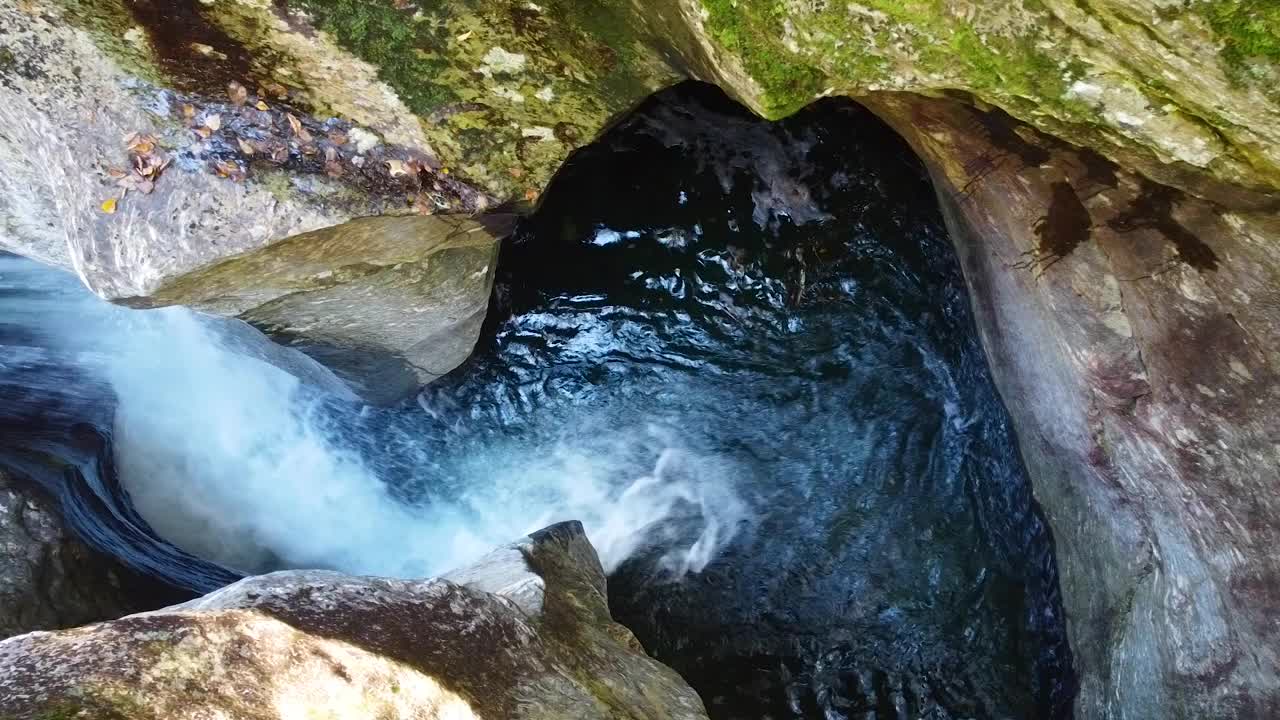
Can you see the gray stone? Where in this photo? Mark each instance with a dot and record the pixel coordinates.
(1133, 332)
(318, 643)
(48, 578)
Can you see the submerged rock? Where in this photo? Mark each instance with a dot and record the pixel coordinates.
(524, 633)
(1132, 330)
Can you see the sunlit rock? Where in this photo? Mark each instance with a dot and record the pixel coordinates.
(526, 639)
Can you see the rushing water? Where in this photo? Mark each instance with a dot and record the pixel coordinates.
(740, 352)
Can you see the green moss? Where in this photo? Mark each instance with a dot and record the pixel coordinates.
(1249, 29)
(753, 31)
(400, 43)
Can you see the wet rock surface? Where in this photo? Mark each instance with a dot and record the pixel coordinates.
(1137, 355)
(289, 643)
(49, 579)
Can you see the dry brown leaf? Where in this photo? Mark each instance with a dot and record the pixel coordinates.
(108, 206)
(516, 172)
(331, 154)
(397, 167)
(188, 111)
(280, 154)
(262, 106)
(333, 169)
(227, 169)
(298, 129)
(213, 122)
(237, 93)
(202, 131)
(116, 173)
(275, 88)
(530, 194)
(338, 138)
(245, 147)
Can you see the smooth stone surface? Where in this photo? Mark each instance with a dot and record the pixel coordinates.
(1133, 333)
(318, 643)
(389, 303)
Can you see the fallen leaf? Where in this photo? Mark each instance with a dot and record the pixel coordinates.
(333, 169)
(116, 173)
(444, 171)
(237, 93)
(213, 122)
(202, 131)
(188, 111)
(262, 106)
(280, 154)
(516, 172)
(109, 206)
(245, 147)
(278, 90)
(331, 154)
(530, 194)
(397, 168)
(465, 36)
(298, 129)
(227, 169)
(338, 138)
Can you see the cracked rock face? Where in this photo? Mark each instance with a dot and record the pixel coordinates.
(1133, 331)
(48, 578)
(524, 633)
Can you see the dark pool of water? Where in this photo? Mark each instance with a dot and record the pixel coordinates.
(767, 319)
(784, 298)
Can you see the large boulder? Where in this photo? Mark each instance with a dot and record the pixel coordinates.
(1132, 330)
(524, 633)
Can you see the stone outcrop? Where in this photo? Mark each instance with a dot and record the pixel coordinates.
(388, 303)
(1132, 330)
(143, 186)
(524, 633)
(48, 578)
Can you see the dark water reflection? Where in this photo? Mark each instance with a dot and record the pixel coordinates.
(784, 298)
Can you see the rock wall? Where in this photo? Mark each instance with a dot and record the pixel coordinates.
(1133, 332)
(524, 633)
(48, 578)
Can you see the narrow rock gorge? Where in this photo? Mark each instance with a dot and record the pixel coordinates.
(926, 365)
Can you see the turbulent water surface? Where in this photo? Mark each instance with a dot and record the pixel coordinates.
(741, 353)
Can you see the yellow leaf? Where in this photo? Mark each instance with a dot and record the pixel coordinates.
(262, 106)
(245, 147)
(109, 206)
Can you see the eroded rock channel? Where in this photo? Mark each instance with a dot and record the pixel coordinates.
(740, 352)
